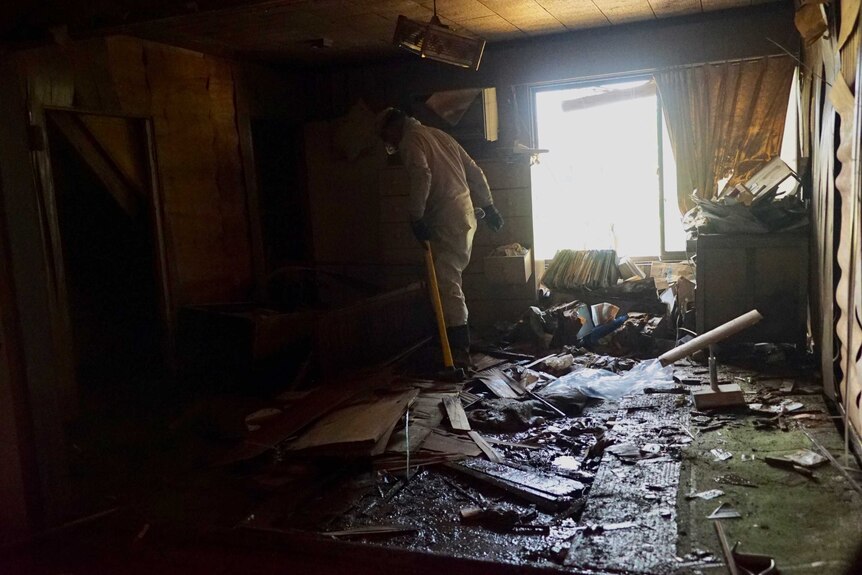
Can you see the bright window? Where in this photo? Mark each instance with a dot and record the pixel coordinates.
(599, 186)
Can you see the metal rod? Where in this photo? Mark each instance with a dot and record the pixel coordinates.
(545, 402)
(800, 62)
(407, 437)
(825, 452)
(713, 369)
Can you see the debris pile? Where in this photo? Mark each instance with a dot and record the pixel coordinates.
(759, 205)
(563, 447)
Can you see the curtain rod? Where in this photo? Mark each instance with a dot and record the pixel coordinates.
(720, 62)
(647, 71)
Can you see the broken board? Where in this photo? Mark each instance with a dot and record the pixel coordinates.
(486, 448)
(730, 395)
(358, 428)
(500, 384)
(548, 492)
(425, 415)
(439, 441)
(455, 411)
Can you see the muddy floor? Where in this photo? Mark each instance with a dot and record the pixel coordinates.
(642, 461)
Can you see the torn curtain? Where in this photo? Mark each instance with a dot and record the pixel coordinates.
(724, 120)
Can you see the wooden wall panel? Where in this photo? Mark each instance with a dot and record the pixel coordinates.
(344, 199)
(837, 319)
(19, 481)
(201, 172)
(190, 100)
(44, 401)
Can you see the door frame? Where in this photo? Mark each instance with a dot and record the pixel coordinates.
(49, 216)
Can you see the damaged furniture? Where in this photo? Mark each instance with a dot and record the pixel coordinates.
(767, 272)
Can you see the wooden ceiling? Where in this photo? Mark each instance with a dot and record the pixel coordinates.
(294, 29)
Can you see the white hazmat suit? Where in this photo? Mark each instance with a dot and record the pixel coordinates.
(442, 176)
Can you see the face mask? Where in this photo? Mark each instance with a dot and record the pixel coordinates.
(390, 149)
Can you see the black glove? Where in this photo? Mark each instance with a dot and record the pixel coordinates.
(493, 217)
(421, 231)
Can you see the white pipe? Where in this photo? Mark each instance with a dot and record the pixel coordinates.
(715, 335)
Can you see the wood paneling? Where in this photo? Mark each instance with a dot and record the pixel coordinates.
(190, 100)
(343, 197)
(836, 304)
(19, 481)
(44, 401)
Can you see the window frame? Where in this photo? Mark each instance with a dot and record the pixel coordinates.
(664, 255)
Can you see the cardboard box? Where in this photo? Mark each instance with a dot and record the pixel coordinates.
(666, 273)
(509, 270)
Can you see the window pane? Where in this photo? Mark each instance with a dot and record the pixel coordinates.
(597, 187)
(674, 235)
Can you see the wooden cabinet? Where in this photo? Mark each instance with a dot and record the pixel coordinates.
(767, 272)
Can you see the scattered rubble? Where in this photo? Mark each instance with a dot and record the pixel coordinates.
(564, 447)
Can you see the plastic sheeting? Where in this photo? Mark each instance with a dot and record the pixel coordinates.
(603, 384)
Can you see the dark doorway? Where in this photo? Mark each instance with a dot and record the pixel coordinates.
(280, 163)
(101, 172)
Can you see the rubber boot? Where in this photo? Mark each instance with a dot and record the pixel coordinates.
(459, 343)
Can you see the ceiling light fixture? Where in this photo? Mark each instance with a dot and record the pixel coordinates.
(436, 41)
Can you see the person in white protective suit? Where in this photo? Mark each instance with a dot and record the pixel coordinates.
(442, 177)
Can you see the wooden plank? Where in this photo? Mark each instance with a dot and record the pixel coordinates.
(457, 415)
(122, 190)
(549, 493)
(355, 429)
(486, 448)
(121, 139)
(370, 531)
(549, 483)
(446, 443)
(300, 415)
(249, 171)
(31, 235)
(500, 384)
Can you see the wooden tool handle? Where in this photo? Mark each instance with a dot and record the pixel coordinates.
(723, 331)
(434, 290)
